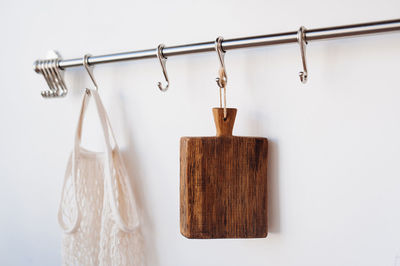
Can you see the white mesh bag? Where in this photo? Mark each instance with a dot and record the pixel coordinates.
(97, 210)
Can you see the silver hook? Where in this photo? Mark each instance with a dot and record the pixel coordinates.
(222, 80)
(61, 89)
(89, 69)
(301, 39)
(163, 61)
(64, 89)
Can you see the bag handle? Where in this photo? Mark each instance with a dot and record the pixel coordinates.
(108, 167)
(72, 169)
(110, 174)
(104, 121)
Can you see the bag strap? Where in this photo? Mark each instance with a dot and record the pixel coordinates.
(108, 166)
(72, 169)
(108, 133)
(110, 173)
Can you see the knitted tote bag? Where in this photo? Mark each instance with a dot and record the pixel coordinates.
(97, 212)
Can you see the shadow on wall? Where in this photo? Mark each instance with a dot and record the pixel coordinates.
(132, 163)
(274, 218)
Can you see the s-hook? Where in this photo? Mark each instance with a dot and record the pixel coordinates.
(89, 69)
(301, 39)
(222, 78)
(163, 61)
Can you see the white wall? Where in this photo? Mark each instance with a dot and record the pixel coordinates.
(334, 143)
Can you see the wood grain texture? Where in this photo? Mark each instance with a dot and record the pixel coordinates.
(223, 184)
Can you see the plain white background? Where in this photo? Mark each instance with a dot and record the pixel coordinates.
(334, 170)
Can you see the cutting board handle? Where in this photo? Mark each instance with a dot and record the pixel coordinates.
(224, 126)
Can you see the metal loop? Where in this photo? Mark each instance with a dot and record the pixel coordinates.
(301, 39)
(89, 69)
(163, 61)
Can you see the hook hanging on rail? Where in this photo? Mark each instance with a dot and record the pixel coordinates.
(301, 39)
(89, 69)
(222, 78)
(163, 61)
(58, 79)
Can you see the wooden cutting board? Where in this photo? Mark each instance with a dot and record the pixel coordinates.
(223, 183)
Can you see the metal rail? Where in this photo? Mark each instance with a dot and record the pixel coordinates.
(243, 42)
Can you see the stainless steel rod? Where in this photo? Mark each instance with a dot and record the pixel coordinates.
(245, 42)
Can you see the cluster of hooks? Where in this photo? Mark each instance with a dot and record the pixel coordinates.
(50, 68)
(53, 77)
